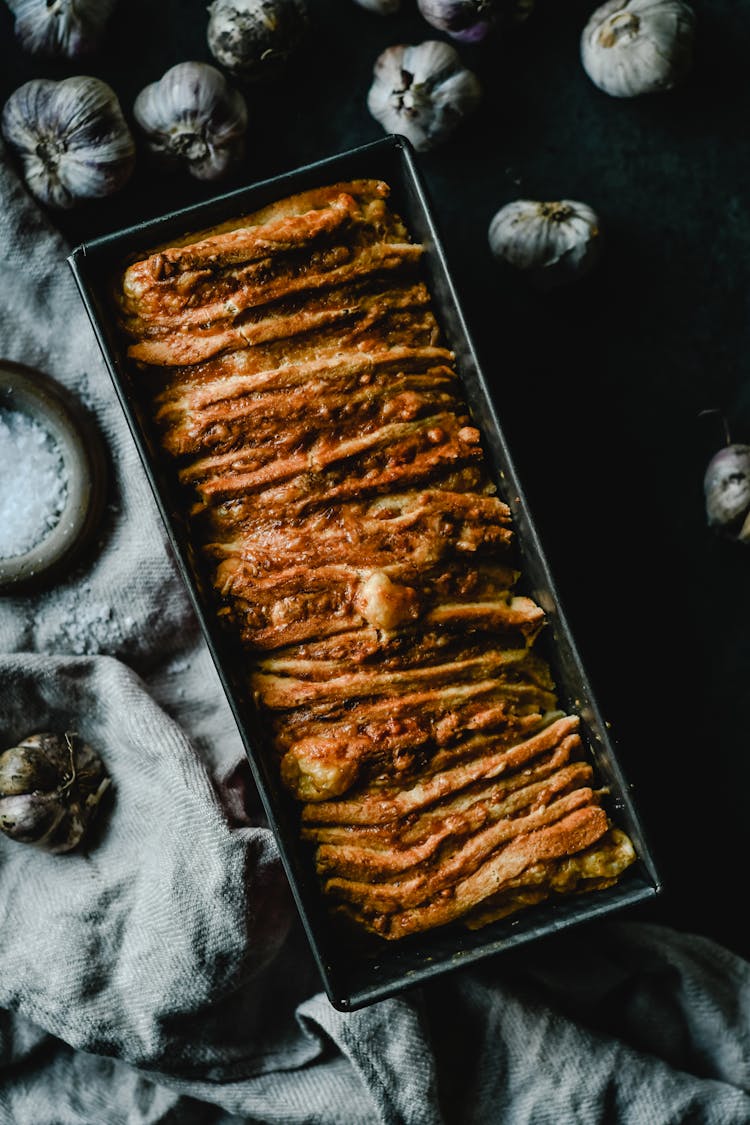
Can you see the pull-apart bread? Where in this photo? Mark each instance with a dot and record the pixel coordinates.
(340, 499)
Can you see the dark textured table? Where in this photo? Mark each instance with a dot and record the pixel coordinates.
(599, 386)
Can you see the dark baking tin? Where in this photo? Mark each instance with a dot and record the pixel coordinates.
(354, 972)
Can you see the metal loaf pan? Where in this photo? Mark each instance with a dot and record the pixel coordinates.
(357, 973)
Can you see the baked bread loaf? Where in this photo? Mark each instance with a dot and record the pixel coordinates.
(341, 503)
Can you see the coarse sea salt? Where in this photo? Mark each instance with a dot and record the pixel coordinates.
(33, 483)
(87, 626)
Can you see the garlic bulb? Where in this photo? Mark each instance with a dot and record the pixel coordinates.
(192, 116)
(50, 788)
(255, 38)
(551, 242)
(632, 47)
(423, 92)
(469, 21)
(60, 27)
(726, 486)
(381, 7)
(71, 137)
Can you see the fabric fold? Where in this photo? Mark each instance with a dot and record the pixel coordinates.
(150, 945)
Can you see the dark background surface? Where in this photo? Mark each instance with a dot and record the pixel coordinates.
(599, 386)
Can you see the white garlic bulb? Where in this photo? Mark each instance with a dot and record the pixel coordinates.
(191, 115)
(422, 92)
(60, 27)
(50, 787)
(632, 47)
(550, 242)
(726, 486)
(256, 38)
(71, 137)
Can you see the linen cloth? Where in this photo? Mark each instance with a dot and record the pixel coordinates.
(161, 975)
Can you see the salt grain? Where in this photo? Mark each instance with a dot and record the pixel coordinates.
(89, 626)
(33, 483)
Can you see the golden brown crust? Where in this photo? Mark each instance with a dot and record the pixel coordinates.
(341, 506)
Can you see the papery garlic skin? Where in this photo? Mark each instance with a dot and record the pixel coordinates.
(50, 787)
(726, 486)
(255, 39)
(468, 21)
(634, 47)
(193, 116)
(423, 92)
(35, 818)
(553, 243)
(71, 137)
(66, 28)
